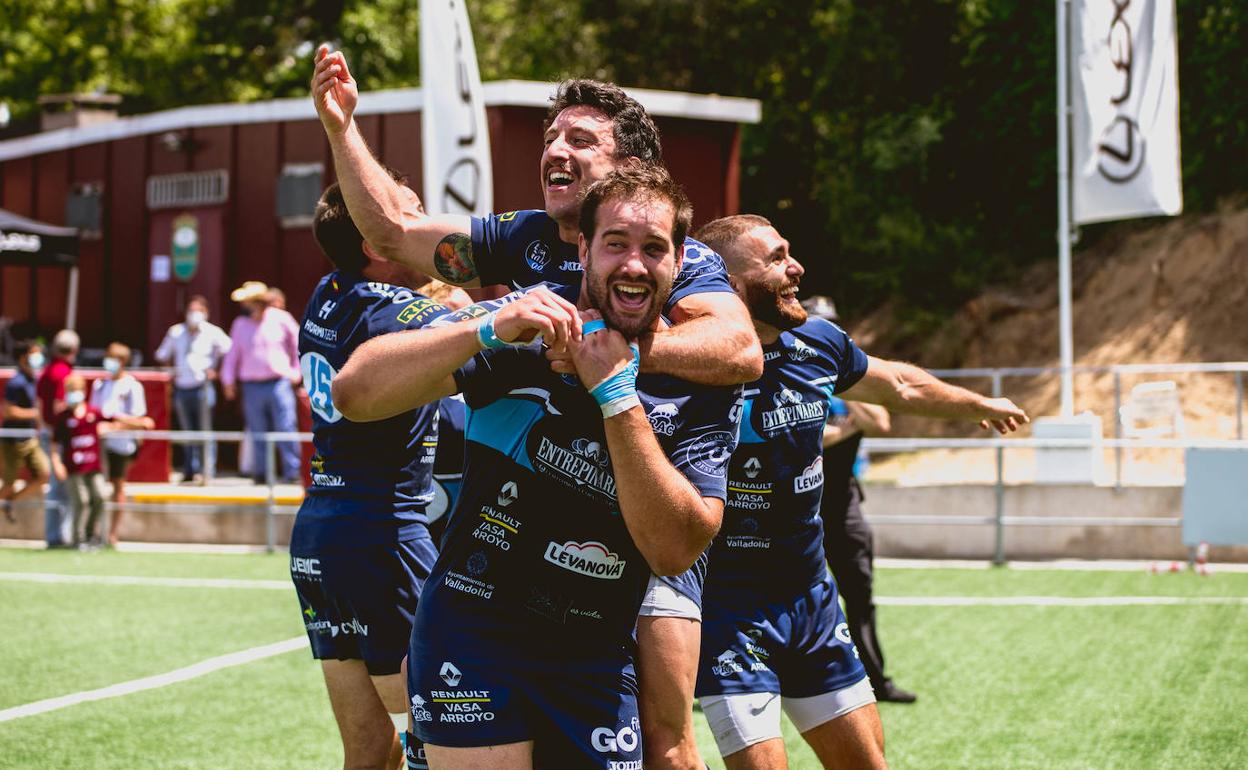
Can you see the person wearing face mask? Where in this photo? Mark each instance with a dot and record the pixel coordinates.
(119, 397)
(51, 391)
(76, 460)
(195, 349)
(21, 410)
(264, 357)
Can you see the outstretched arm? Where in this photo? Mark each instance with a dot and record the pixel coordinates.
(907, 388)
(667, 517)
(388, 215)
(712, 343)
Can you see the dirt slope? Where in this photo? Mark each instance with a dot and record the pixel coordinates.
(1176, 291)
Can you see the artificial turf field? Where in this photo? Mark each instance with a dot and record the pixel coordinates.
(1001, 686)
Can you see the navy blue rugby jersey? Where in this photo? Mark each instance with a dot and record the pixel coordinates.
(371, 482)
(523, 248)
(536, 538)
(448, 464)
(770, 547)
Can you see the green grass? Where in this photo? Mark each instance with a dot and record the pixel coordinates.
(999, 687)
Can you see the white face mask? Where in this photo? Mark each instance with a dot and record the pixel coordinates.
(112, 365)
(36, 361)
(195, 318)
(75, 397)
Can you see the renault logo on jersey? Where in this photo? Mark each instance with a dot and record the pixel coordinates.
(752, 467)
(811, 477)
(450, 674)
(592, 558)
(508, 494)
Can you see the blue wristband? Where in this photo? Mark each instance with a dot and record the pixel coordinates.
(487, 336)
(618, 393)
(589, 327)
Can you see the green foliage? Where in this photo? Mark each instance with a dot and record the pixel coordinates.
(907, 149)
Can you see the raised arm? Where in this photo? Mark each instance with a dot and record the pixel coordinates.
(388, 215)
(395, 373)
(907, 388)
(667, 517)
(712, 343)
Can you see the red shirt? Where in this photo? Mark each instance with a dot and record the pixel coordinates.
(51, 387)
(79, 438)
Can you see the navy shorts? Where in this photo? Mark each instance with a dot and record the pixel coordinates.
(358, 603)
(799, 649)
(477, 689)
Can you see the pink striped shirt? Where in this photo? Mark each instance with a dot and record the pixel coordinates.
(262, 350)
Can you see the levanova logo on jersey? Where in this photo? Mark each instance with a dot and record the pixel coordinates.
(592, 558)
(662, 418)
(582, 464)
(792, 409)
(810, 478)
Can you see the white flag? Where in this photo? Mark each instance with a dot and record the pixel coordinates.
(1126, 110)
(456, 138)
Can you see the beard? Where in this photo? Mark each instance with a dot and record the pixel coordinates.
(766, 305)
(628, 324)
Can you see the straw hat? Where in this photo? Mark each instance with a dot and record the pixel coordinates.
(249, 290)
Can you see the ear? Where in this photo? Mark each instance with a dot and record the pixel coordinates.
(680, 259)
(632, 161)
(582, 250)
(735, 284)
(369, 253)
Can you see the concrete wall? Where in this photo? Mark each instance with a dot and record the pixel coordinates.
(1032, 541)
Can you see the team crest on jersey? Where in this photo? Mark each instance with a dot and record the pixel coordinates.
(537, 256)
(419, 712)
(663, 418)
(801, 351)
(698, 259)
(710, 453)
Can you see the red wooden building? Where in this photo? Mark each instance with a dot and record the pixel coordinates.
(243, 176)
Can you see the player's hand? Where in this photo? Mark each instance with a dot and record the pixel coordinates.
(1002, 415)
(229, 391)
(597, 356)
(334, 91)
(560, 360)
(540, 312)
(147, 423)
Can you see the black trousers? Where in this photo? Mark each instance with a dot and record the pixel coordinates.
(850, 549)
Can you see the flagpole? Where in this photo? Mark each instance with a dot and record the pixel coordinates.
(1065, 333)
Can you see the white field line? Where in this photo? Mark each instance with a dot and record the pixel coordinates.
(131, 580)
(1054, 601)
(160, 680)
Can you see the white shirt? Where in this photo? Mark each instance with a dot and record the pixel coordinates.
(193, 353)
(122, 396)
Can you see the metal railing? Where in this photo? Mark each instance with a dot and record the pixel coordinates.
(999, 520)
(270, 440)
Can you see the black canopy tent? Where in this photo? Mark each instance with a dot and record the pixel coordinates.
(37, 244)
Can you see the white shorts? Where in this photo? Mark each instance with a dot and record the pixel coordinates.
(742, 720)
(663, 601)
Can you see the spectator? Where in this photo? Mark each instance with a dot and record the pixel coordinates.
(277, 298)
(76, 459)
(21, 410)
(51, 392)
(264, 356)
(119, 397)
(195, 348)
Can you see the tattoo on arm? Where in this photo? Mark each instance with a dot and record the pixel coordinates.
(453, 258)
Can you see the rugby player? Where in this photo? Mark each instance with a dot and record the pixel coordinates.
(592, 129)
(360, 549)
(523, 648)
(774, 636)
